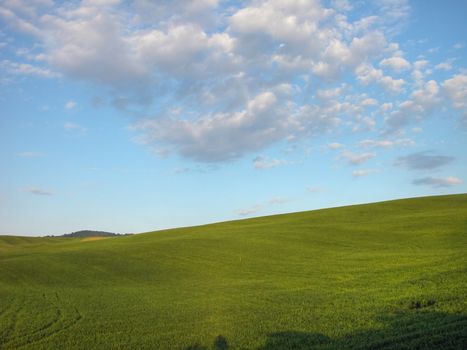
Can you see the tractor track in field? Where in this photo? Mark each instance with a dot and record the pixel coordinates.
(6, 333)
(59, 323)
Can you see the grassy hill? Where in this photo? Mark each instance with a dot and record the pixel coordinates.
(389, 275)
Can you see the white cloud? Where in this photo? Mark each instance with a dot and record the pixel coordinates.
(289, 22)
(369, 143)
(456, 89)
(278, 200)
(395, 63)
(357, 158)
(262, 206)
(376, 143)
(14, 19)
(427, 97)
(369, 102)
(220, 76)
(183, 170)
(342, 5)
(30, 154)
(420, 64)
(422, 103)
(329, 94)
(26, 69)
(386, 106)
(394, 14)
(176, 11)
(70, 105)
(222, 136)
(314, 189)
(363, 172)
(226, 136)
(249, 211)
(444, 65)
(265, 163)
(70, 126)
(367, 74)
(334, 145)
(37, 191)
(438, 182)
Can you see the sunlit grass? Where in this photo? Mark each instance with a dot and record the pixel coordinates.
(384, 275)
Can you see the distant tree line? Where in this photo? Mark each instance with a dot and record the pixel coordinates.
(90, 233)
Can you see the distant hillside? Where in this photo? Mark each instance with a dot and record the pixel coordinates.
(90, 233)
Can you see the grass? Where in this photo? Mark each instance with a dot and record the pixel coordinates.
(388, 275)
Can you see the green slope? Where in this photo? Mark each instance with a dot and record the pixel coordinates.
(384, 275)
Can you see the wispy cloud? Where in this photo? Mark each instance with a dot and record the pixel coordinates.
(37, 191)
(363, 172)
(70, 105)
(334, 145)
(250, 211)
(357, 158)
(26, 69)
(262, 206)
(196, 169)
(370, 143)
(425, 160)
(70, 126)
(182, 170)
(278, 200)
(438, 182)
(444, 65)
(266, 163)
(314, 189)
(30, 154)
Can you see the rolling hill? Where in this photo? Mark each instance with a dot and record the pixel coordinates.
(389, 275)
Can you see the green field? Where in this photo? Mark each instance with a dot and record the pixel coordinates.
(390, 275)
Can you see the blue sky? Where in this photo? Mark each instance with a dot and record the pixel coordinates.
(131, 116)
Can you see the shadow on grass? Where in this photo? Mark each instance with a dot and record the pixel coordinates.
(408, 330)
(220, 343)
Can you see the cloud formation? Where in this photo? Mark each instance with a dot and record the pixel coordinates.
(30, 154)
(425, 160)
(265, 163)
(456, 89)
(70, 105)
(363, 172)
(370, 143)
(357, 158)
(18, 68)
(395, 63)
(37, 191)
(334, 145)
(73, 127)
(262, 206)
(213, 81)
(438, 182)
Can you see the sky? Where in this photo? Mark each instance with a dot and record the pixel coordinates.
(133, 116)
